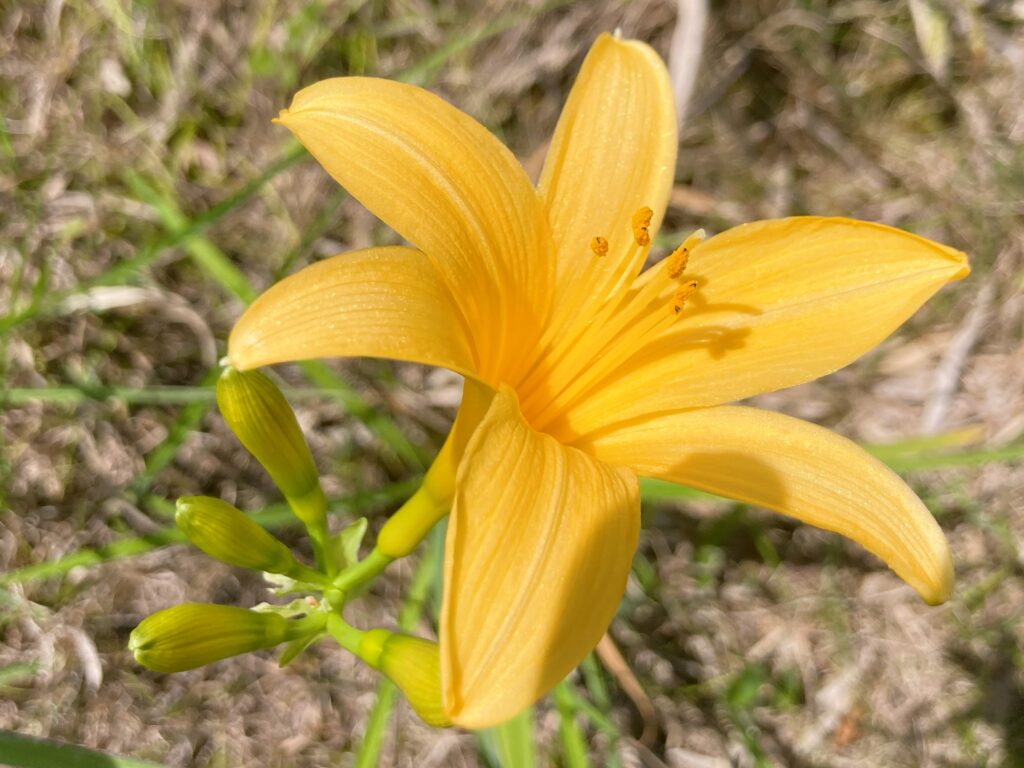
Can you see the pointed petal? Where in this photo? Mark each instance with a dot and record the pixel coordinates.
(540, 542)
(795, 468)
(613, 152)
(379, 302)
(779, 303)
(443, 182)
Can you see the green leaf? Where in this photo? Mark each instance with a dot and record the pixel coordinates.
(295, 647)
(510, 745)
(28, 752)
(345, 544)
(574, 746)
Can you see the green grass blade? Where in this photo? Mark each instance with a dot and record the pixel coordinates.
(424, 71)
(29, 752)
(125, 270)
(87, 557)
(152, 395)
(911, 455)
(377, 724)
(328, 385)
(511, 744)
(596, 717)
(156, 395)
(213, 261)
(203, 252)
(597, 690)
(574, 746)
(274, 517)
(1011, 454)
(321, 375)
(662, 490)
(188, 421)
(408, 616)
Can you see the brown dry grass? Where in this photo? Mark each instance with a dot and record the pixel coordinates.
(821, 659)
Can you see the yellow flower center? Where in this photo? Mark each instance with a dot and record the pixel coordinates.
(597, 342)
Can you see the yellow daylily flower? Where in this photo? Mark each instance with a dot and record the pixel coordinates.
(583, 370)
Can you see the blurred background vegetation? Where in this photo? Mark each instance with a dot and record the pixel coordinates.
(145, 198)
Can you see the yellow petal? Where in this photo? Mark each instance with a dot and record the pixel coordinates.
(443, 182)
(380, 302)
(613, 152)
(795, 468)
(779, 303)
(539, 546)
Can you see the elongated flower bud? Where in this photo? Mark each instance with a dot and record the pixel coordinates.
(227, 534)
(191, 635)
(257, 412)
(414, 665)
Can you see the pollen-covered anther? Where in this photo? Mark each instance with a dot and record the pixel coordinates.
(641, 224)
(599, 246)
(682, 294)
(676, 263)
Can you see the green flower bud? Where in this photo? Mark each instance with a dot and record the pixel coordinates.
(414, 665)
(228, 535)
(191, 635)
(257, 412)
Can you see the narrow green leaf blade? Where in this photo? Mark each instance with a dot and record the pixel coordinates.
(29, 752)
(574, 746)
(510, 744)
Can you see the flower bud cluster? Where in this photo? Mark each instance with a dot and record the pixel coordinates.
(188, 636)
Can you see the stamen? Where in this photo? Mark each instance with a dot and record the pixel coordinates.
(679, 300)
(599, 245)
(641, 222)
(676, 263)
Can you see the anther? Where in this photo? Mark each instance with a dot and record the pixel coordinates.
(675, 265)
(641, 222)
(679, 300)
(599, 245)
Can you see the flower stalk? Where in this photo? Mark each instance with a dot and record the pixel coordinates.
(411, 663)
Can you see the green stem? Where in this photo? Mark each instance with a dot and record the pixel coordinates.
(311, 509)
(307, 625)
(359, 575)
(319, 539)
(347, 636)
(306, 575)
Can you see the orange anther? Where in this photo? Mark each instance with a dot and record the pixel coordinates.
(679, 300)
(641, 222)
